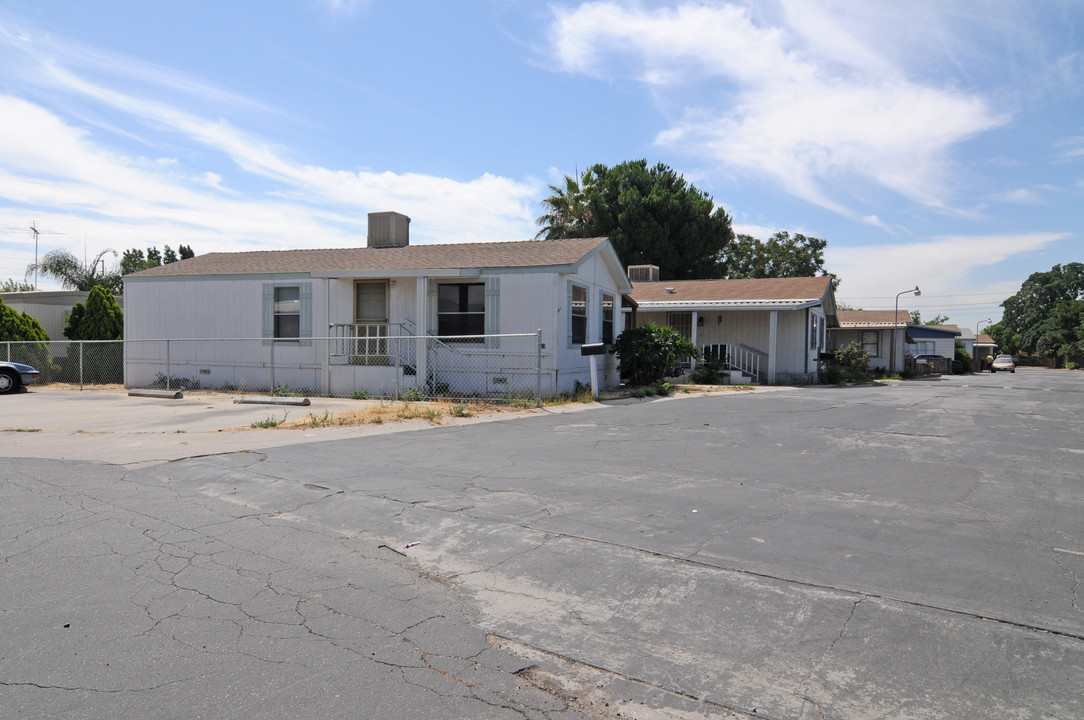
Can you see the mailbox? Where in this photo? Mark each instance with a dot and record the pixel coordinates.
(593, 349)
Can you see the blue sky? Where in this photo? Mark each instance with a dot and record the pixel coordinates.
(930, 143)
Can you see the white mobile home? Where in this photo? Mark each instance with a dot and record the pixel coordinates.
(380, 319)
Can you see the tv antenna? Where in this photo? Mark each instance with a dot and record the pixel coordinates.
(33, 227)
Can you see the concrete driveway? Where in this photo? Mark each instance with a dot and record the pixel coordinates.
(907, 551)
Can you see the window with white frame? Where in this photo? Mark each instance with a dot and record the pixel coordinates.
(870, 341)
(578, 315)
(607, 319)
(287, 312)
(814, 330)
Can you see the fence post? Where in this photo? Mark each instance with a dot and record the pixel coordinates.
(169, 369)
(398, 359)
(8, 344)
(272, 367)
(81, 343)
(538, 369)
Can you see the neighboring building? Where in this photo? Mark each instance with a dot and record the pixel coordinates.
(51, 308)
(883, 337)
(984, 347)
(363, 299)
(769, 330)
(888, 342)
(938, 340)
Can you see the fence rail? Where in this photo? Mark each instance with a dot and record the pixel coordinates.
(355, 361)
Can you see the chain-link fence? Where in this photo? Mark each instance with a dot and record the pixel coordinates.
(491, 367)
(82, 362)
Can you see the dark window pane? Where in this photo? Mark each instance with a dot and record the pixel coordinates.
(447, 298)
(579, 329)
(475, 298)
(287, 326)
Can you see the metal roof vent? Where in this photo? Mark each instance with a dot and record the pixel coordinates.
(669, 291)
(388, 230)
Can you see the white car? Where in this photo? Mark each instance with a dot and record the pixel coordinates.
(1003, 362)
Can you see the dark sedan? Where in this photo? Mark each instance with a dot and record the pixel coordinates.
(15, 375)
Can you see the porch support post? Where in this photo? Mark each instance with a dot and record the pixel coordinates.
(773, 334)
(696, 319)
(421, 311)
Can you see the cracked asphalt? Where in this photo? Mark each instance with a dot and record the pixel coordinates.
(912, 550)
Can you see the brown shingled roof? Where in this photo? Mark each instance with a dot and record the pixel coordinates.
(872, 318)
(808, 288)
(539, 253)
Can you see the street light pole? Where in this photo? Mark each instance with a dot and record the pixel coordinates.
(979, 324)
(895, 322)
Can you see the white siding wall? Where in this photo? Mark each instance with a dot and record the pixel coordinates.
(232, 307)
(842, 337)
(228, 311)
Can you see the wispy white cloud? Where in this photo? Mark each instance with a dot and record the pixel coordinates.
(805, 102)
(342, 8)
(1020, 196)
(261, 198)
(941, 266)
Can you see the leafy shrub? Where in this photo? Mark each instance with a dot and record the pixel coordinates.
(963, 355)
(1071, 365)
(709, 371)
(851, 364)
(28, 340)
(360, 395)
(412, 395)
(645, 352)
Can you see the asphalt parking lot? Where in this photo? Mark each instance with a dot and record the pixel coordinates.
(911, 550)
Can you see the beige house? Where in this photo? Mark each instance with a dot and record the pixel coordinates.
(765, 330)
(880, 334)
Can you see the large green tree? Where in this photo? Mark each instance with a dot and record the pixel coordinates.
(567, 212)
(73, 274)
(783, 255)
(651, 215)
(1029, 314)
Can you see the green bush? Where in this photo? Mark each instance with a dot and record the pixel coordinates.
(645, 352)
(851, 364)
(1071, 365)
(28, 340)
(709, 371)
(963, 355)
(100, 318)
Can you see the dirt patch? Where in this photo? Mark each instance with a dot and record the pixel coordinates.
(378, 413)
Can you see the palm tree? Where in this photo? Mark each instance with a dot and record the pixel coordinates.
(569, 212)
(66, 269)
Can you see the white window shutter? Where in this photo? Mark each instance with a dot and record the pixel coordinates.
(492, 311)
(305, 321)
